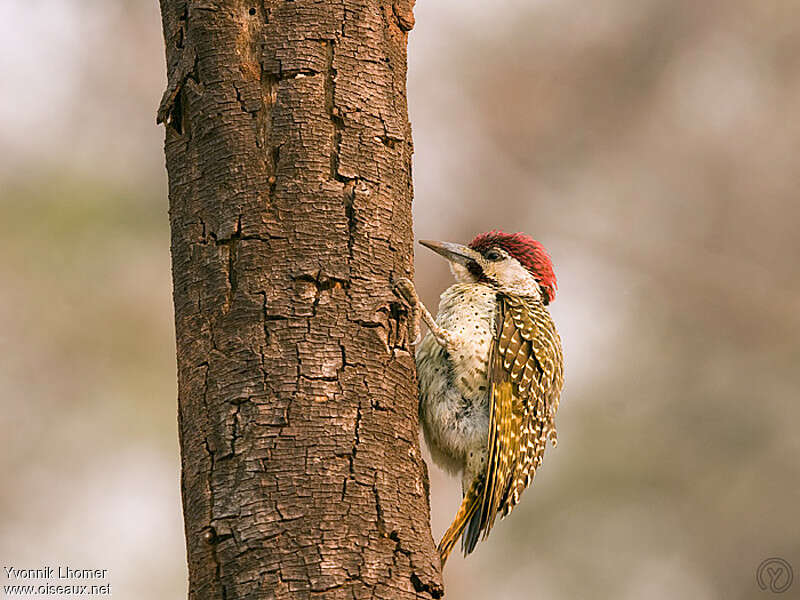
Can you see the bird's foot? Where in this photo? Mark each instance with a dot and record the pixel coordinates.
(404, 289)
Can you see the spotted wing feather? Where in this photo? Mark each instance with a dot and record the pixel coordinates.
(526, 376)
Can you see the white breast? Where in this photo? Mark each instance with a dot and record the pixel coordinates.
(467, 310)
(453, 392)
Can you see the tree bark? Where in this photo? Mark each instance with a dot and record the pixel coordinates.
(289, 158)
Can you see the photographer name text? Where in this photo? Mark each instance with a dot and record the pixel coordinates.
(58, 572)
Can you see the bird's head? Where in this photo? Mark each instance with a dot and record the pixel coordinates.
(512, 262)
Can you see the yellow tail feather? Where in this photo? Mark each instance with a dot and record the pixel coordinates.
(468, 507)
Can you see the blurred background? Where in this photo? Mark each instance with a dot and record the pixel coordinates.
(652, 146)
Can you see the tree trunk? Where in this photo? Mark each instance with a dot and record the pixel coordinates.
(289, 158)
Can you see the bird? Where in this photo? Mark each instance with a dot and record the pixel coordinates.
(490, 373)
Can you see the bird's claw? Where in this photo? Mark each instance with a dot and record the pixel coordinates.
(404, 289)
(416, 329)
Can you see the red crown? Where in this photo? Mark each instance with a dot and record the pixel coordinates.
(530, 253)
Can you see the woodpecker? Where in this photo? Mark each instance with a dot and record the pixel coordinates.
(490, 374)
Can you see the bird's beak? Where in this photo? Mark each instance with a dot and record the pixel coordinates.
(453, 252)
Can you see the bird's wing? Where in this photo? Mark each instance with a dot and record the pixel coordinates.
(526, 375)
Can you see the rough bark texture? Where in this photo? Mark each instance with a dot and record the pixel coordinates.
(289, 157)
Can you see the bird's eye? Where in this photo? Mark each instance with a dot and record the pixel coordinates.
(493, 255)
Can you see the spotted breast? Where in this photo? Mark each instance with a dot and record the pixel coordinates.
(453, 387)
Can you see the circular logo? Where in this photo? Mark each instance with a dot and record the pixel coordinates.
(775, 575)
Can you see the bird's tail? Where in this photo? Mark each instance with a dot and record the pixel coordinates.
(467, 514)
